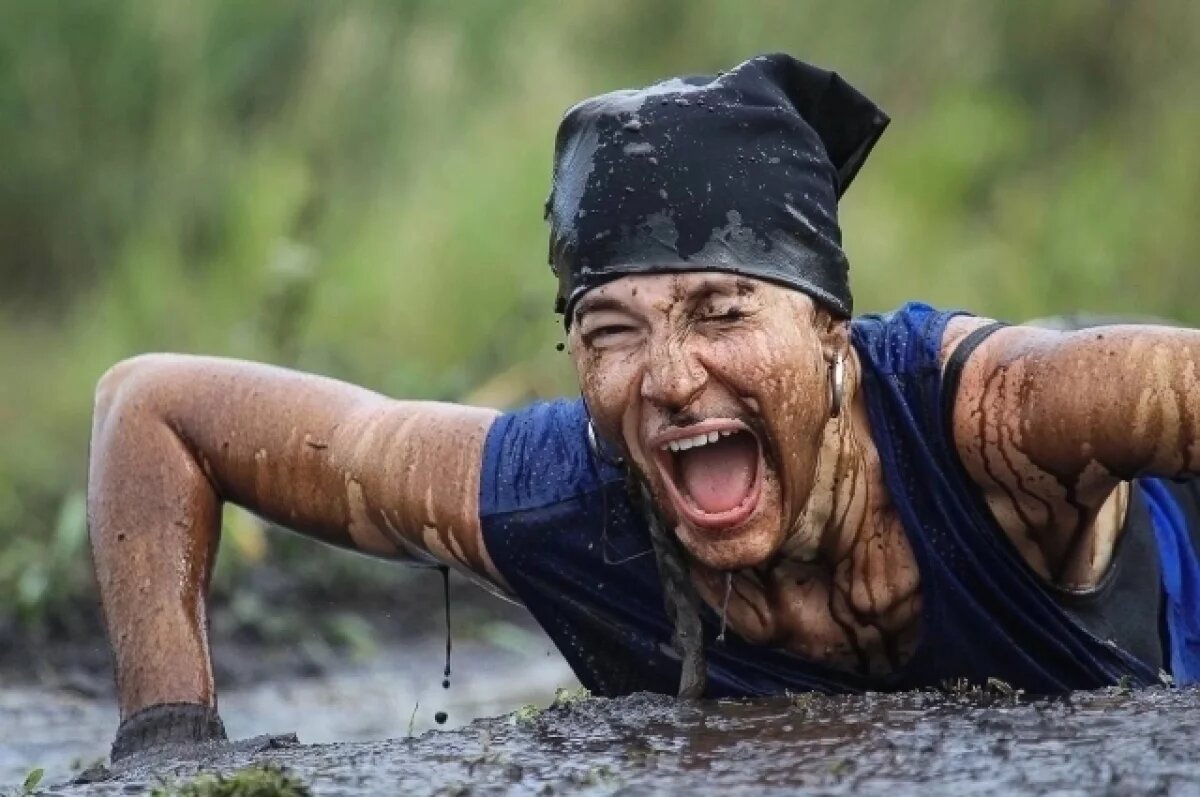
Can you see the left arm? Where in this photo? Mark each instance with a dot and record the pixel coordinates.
(1049, 423)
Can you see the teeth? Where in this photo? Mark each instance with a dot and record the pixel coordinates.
(697, 441)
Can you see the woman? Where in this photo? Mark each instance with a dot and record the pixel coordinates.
(884, 503)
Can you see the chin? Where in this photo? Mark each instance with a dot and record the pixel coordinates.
(748, 546)
(714, 484)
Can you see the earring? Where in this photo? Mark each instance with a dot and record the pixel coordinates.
(598, 451)
(837, 386)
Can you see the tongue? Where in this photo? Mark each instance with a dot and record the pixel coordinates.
(719, 476)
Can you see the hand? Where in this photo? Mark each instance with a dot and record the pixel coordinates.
(167, 724)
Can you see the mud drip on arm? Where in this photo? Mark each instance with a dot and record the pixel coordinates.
(175, 436)
(440, 717)
(449, 641)
(1050, 423)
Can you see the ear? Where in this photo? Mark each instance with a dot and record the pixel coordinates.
(834, 333)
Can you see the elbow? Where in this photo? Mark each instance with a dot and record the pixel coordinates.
(131, 382)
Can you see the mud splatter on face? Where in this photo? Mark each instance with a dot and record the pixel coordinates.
(711, 378)
(739, 361)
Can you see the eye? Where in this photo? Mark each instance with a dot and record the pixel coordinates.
(607, 334)
(727, 315)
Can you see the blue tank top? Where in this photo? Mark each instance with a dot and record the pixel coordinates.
(559, 526)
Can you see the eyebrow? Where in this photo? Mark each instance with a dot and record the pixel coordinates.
(710, 288)
(705, 290)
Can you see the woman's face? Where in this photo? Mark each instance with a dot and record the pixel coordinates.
(716, 386)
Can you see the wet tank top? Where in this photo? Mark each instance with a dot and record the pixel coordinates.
(560, 527)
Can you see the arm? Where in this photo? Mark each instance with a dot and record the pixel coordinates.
(1050, 423)
(174, 436)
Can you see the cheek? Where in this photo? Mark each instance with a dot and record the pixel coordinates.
(790, 387)
(741, 360)
(799, 418)
(605, 385)
(779, 368)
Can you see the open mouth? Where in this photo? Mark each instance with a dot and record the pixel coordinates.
(713, 472)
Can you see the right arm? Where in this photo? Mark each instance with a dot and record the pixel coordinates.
(175, 436)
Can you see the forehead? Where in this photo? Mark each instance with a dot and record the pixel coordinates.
(641, 290)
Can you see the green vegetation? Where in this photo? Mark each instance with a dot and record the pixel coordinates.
(260, 780)
(991, 689)
(526, 713)
(32, 781)
(356, 189)
(566, 698)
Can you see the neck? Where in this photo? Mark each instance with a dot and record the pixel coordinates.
(842, 494)
(844, 587)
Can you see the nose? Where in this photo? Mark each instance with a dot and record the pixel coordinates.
(673, 377)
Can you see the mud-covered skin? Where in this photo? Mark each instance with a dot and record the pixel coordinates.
(852, 602)
(1048, 423)
(823, 566)
(174, 436)
(1053, 424)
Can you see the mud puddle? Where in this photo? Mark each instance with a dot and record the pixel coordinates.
(1108, 742)
(394, 694)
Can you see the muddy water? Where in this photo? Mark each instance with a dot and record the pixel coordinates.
(1091, 743)
(398, 692)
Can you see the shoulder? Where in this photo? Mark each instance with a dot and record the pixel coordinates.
(539, 455)
(912, 339)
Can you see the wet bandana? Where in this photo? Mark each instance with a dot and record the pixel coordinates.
(740, 173)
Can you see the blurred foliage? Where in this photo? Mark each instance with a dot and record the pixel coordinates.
(356, 189)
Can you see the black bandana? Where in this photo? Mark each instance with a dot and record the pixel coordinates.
(740, 173)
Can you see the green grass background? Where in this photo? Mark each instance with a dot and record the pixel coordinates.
(356, 188)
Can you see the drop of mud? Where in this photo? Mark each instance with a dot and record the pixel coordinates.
(446, 596)
(725, 607)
